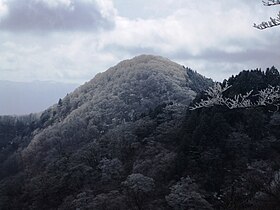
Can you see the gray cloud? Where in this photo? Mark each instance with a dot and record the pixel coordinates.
(217, 55)
(216, 38)
(56, 15)
(220, 64)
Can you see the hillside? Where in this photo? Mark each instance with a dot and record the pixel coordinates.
(129, 140)
(88, 150)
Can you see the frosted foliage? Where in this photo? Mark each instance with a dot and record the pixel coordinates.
(215, 97)
(154, 160)
(139, 84)
(270, 192)
(184, 195)
(87, 200)
(111, 200)
(270, 95)
(274, 185)
(267, 96)
(118, 96)
(139, 183)
(275, 119)
(110, 169)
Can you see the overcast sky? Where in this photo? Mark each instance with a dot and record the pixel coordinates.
(72, 40)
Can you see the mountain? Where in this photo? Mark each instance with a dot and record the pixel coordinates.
(128, 140)
(131, 88)
(18, 98)
(92, 137)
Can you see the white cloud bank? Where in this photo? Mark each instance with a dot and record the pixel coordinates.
(82, 37)
(50, 15)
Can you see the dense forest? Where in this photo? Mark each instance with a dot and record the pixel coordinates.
(129, 140)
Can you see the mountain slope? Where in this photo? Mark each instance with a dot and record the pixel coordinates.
(139, 84)
(128, 141)
(107, 132)
(121, 94)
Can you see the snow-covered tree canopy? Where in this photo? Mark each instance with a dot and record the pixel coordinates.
(273, 21)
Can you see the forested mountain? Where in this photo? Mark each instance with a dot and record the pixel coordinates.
(128, 139)
(94, 139)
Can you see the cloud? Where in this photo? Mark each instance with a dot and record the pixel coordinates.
(71, 57)
(3, 9)
(216, 38)
(56, 15)
(193, 27)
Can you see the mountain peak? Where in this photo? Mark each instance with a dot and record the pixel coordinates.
(141, 68)
(133, 87)
(150, 62)
(145, 58)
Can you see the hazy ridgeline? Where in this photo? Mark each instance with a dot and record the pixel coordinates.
(29, 97)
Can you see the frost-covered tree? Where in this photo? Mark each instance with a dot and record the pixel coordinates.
(138, 187)
(267, 196)
(139, 183)
(110, 169)
(215, 97)
(273, 21)
(184, 195)
(267, 96)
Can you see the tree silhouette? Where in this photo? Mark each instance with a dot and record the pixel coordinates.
(273, 21)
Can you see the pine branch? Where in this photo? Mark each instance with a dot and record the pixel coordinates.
(269, 24)
(273, 21)
(271, 2)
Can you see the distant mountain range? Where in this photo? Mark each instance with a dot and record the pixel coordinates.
(28, 97)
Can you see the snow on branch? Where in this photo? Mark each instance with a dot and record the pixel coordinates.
(271, 2)
(273, 21)
(267, 96)
(239, 101)
(268, 24)
(215, 97)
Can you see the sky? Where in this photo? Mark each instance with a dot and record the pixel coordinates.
(72, 40)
